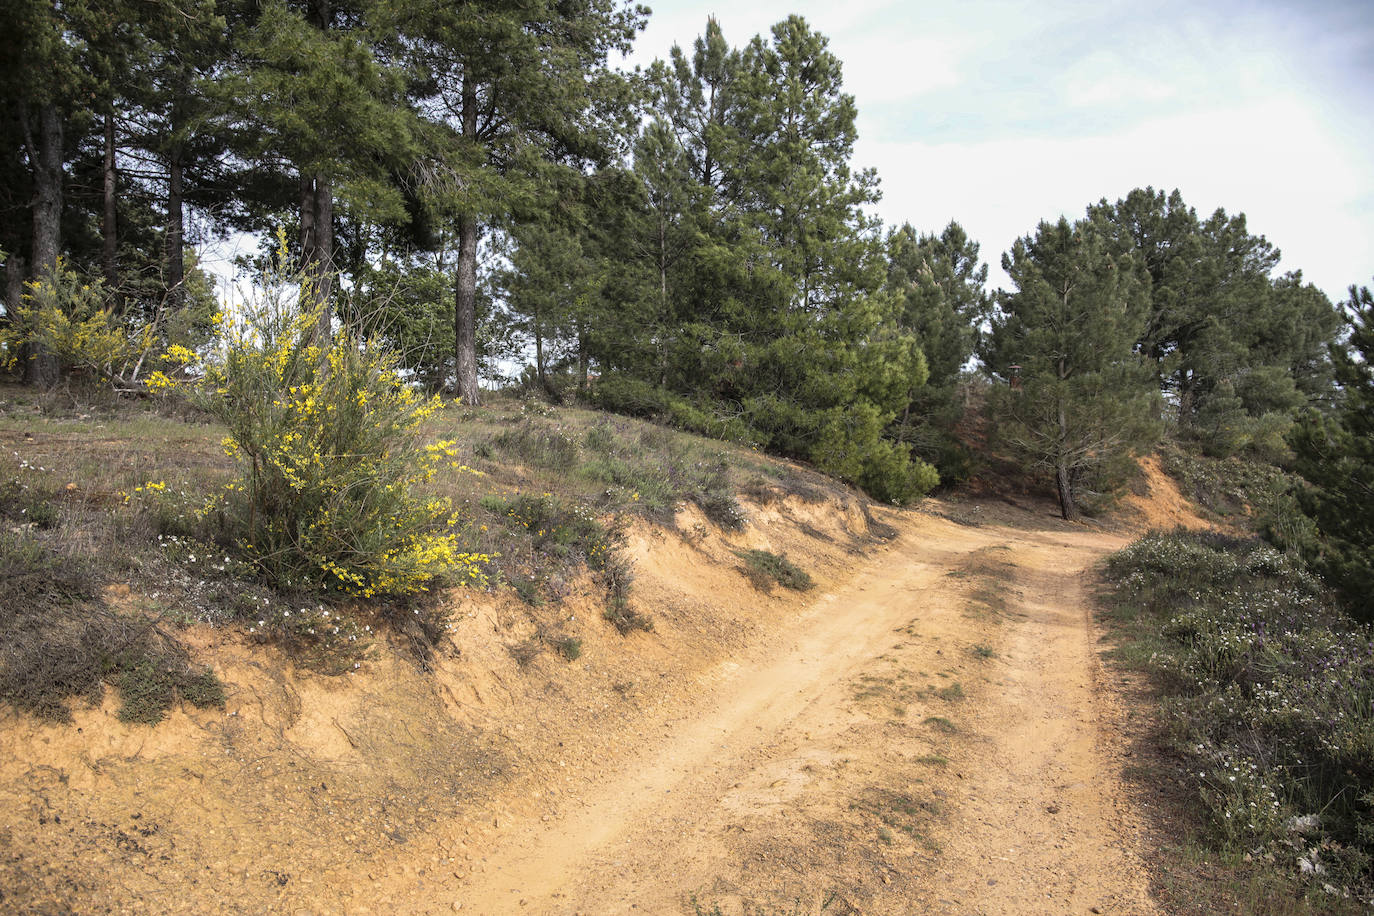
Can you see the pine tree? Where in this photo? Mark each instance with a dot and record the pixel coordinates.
(752, 304)
(1234, 349)
(43, 76)
(502, 90)
(1076, 399)
(319, 118)
(940, 286)
(1335, 453)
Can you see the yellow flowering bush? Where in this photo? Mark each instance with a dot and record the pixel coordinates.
(327, 438)
(70, 319)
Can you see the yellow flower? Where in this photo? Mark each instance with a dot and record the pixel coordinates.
(159, 382)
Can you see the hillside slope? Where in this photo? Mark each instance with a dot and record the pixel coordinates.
(924, 726)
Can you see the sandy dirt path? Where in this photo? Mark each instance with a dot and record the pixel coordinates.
(930, 738)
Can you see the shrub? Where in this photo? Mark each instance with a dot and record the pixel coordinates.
(572, 532)
(68, 317)
(537, 445)
(1269, 692)
(330, 457)
(766, 569)
(60, 641)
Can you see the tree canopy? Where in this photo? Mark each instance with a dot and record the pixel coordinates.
(692, 241)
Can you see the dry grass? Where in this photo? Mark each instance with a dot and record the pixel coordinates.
(118, 482)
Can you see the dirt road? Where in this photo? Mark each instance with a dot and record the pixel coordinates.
(928, 739)
(925, 733)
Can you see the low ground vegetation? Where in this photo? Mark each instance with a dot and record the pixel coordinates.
(157, 499)
(765, 569)
(1268, 701)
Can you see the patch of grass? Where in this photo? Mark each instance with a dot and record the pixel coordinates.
(62, 642)
(570, 647)
(149, 684)
(627, 465)
(752, 908)
(933, 760)
(953, 693)
(900, 811)
(626, 619)
(526, 650)
(554, 526)
(766, 569)
(528, 590)
(28, 503)
(941, 724)
(537, 444)
(981, 651)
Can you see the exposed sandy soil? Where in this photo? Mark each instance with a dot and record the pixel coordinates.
(1162, 506)
(925, 732)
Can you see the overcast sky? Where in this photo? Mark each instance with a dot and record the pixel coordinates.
(1001, 114)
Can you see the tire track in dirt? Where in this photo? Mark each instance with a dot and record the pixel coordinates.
(928, 738)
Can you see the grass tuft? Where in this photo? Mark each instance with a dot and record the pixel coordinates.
(766, 569)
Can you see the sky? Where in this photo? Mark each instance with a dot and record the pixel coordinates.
(1002, 114)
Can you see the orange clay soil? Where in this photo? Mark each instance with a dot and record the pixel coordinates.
(924, 732)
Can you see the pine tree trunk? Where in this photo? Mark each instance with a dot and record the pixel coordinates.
(317, 211)
(324, 252)
(174, 255)
(1185, 400)
(109, 240)
(465, 285)
(14, 286)
(662, 304)
(41, 368)
(583, 358)
(539, 352)
(1062, 478)
(307, 219)
(317, 245)
(465, 313)
(1067, 508)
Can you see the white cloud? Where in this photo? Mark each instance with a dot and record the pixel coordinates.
(895, 68)
(1275, 162)
(1000, 114)
(1104, 78)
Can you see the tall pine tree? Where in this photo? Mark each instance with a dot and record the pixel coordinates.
(1335, 453)
(1077, 399)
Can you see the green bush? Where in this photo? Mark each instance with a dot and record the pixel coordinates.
(60, 641)
(69, 318)
(636, 398)
(572, 532)
(765, 569)
(537, 445)
(331, 455)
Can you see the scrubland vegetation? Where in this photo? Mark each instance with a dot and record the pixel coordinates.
(1267, 704)
(686, 249)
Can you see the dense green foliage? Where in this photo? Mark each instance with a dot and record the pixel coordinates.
(1079, 398)
(1233, 349)
(61, 640)
(330, 456)
(940, 286)
(1335, 454)
(1269, 696)
(728, 279)
(478, 186)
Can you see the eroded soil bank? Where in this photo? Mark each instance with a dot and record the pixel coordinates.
(923, 732)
